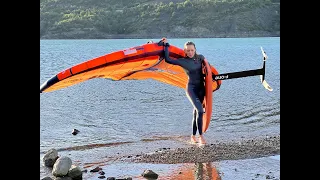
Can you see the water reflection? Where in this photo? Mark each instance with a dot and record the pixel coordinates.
(197, 171)
(204, 171)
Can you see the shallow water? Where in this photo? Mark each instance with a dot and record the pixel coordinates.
(258, 169)
(117, 116)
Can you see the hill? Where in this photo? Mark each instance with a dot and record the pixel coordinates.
(95, 19)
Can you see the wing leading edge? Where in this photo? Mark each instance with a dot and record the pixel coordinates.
(136, 63)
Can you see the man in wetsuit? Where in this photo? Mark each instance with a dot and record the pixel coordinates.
(195, 90)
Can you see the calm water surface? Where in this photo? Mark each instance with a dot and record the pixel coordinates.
(130, 111)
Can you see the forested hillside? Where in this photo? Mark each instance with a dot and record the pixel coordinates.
(83, 19)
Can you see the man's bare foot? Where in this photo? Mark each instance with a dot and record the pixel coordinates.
(202, 140)
(193, 139)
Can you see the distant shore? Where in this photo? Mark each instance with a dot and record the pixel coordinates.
(159, 36)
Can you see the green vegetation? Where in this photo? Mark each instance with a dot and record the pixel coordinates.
(83, 19)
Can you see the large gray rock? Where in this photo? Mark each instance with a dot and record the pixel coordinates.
(63, 178)
(75, 172)
(50, 157)
(46, 178)
(61, 166)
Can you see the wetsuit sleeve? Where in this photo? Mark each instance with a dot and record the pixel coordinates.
(167, 58)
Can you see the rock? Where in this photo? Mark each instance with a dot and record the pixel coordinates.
(75, 172)
(61, 166)
(63, 178)
(50, 157)
(96, 169)
(149, 174)
(46, 178)
(75, 131)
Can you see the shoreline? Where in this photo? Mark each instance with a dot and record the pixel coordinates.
(156, 37)
(184, 160)
(226, 150)
(257, 168)
(243, 158)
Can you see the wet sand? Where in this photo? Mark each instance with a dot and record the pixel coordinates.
(243, 158)
(232, 150)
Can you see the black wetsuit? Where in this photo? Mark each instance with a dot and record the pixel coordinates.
(195, 87)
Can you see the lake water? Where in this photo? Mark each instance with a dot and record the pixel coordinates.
(128, 112)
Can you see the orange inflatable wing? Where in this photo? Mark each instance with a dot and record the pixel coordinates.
(216, 83)
(140, 62)
(136, 63)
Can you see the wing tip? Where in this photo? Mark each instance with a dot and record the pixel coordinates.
(48, 83)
